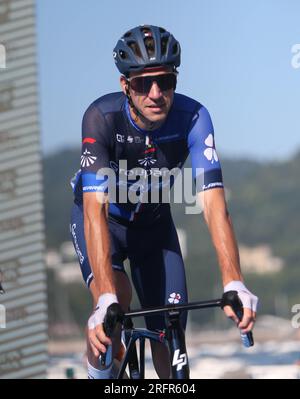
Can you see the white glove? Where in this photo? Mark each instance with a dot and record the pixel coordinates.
(104, 301)
(248, 300)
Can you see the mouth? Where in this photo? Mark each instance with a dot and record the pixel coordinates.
(156, 107)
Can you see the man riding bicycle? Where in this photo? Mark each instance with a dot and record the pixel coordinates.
(152, 129)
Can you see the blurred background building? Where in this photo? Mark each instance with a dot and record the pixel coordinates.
(24, 335)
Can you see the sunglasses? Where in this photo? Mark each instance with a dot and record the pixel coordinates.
(143, 84)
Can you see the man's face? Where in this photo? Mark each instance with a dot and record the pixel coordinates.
(155, 103)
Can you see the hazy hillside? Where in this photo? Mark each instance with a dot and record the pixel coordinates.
(263, 201)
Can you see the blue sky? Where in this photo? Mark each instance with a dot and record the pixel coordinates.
(236, 60)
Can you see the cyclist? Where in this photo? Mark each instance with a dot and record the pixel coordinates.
(153, 129)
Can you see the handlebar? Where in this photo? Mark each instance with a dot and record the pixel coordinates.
(116, 315)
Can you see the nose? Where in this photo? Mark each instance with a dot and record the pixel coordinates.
(155, 91)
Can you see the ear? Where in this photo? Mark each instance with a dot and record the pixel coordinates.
(124, 84)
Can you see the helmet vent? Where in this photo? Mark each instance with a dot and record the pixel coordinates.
(135, 48)
(175, 48)
(150, 46)
(127, 34)
(147, 31)
(122, 54)
(164, 42)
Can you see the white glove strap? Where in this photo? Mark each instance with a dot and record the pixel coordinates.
(235, 285)
(104, 301)
(248, 299)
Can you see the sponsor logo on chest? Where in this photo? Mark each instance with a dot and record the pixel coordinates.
(121, 138)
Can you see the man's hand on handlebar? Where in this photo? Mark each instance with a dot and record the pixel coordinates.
(96, 335)
(249, 303)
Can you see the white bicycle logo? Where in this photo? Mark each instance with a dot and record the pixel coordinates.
(179, 360)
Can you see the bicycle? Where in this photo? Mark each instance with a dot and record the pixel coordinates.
(173, 336)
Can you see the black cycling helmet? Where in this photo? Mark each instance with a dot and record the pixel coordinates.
(146, 46)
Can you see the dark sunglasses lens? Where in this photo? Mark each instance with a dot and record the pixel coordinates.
(167, 82)
(143, 84)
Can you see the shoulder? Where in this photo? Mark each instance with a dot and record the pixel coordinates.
(186, 104)
(191, 110)
(109, 103)
(190, 105)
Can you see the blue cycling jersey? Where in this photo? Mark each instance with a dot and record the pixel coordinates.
(110, 135)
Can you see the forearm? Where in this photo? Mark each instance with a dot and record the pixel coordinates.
(223, 238)
(98, 249)
(226, 249)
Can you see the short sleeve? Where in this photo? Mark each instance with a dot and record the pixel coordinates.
(95, 151)
(206, 166)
